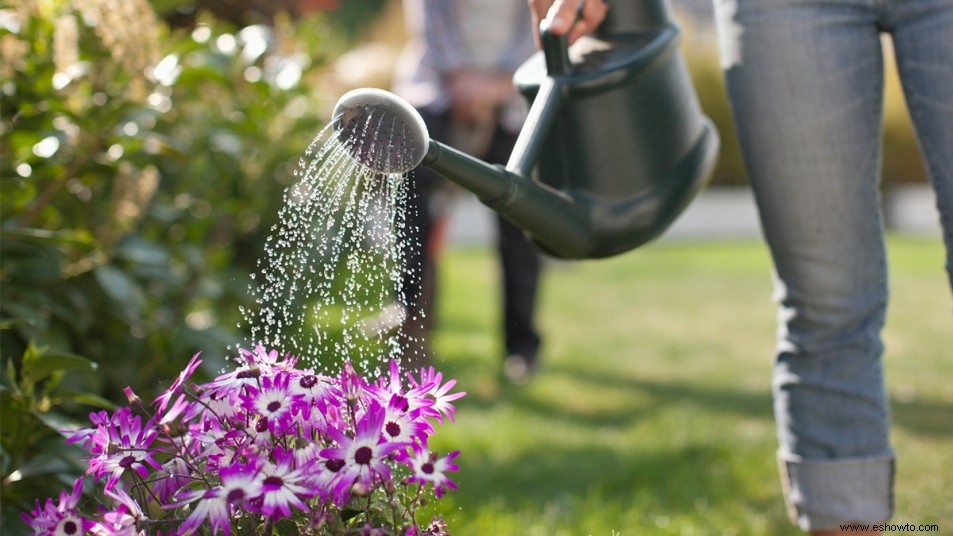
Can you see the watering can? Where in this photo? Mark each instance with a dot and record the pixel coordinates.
(614, 147)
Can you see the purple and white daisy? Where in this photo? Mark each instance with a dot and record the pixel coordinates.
(118, 444)
(365, 454)
(391, 392)
(267, 360)
(428, 468)
(402, 426)
(61, 518)
(315, 391)
(173, 476)
(227, 386)
(239, 483)
(436, 391)
(352, 385)
(163, 400)
(262, 443)
(219, 407)
(259, 363)
(272, 402)
(324, 478)
(124, 519)
(283, 486)
(181, 405)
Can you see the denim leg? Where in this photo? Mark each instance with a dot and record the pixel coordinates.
(923, 42)
(805, 82)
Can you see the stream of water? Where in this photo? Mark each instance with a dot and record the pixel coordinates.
(328, 284)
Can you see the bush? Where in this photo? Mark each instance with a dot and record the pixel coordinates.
(143, 167)
(133, 203)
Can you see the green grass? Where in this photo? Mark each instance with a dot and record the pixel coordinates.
(652, 412)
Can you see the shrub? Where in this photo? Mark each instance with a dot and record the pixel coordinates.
(142, 169)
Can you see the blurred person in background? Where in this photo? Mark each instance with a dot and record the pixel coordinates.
(805, 81)
(457, 71)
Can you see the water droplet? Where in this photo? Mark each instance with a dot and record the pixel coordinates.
(333, 260)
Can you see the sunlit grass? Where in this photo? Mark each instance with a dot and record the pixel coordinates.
(652, 411)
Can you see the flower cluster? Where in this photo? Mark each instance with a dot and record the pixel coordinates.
(266, 449)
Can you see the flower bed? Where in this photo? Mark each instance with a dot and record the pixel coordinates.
(265, 449)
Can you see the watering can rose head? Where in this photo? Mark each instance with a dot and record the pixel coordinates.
(265, 443)
(380, 130)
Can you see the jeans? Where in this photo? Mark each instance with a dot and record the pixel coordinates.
(805, 80)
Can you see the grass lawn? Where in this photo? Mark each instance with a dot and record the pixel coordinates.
(652, 412)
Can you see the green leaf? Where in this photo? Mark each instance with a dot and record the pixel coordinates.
(12, 408)
(137, 250)
(42, 466)
(286, 526)
(41, 236)
(30, 355)
(350, 513)
(10, 323)
(46, 363)
(53, 457)
(89, 399)
(58, 422)
(5, 461)
(121, 289)
(10, 376)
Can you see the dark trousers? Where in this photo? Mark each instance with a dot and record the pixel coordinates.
(520, 261)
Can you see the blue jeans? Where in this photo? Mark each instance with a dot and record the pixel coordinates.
(805, 79)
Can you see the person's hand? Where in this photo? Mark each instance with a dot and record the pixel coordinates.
(476, 95)
(562, 16)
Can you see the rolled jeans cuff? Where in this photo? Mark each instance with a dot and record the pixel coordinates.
(822, 494)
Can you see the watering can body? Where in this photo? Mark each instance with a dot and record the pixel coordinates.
(614, 147)
(615, 144)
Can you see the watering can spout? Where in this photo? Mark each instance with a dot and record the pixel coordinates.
(613, 149)
(554, 221)
(385, 134)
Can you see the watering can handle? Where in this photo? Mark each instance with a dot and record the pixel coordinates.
(555, 50)
(546, 105)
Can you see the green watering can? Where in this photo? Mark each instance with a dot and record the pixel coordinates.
(615, 145)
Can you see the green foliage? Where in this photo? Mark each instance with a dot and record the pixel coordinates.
(35, 461)
(354, 16)
(135, 204)
(142, 168)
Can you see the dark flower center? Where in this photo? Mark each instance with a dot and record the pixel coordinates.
(261, 425)
(308, 382)
(363, 455)
(334, 465)
(427, 468)
(401, 403)
(274, 406)
(127, 462)
(235, 496)
(70, 527)
(273, 482)
(392, 429)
